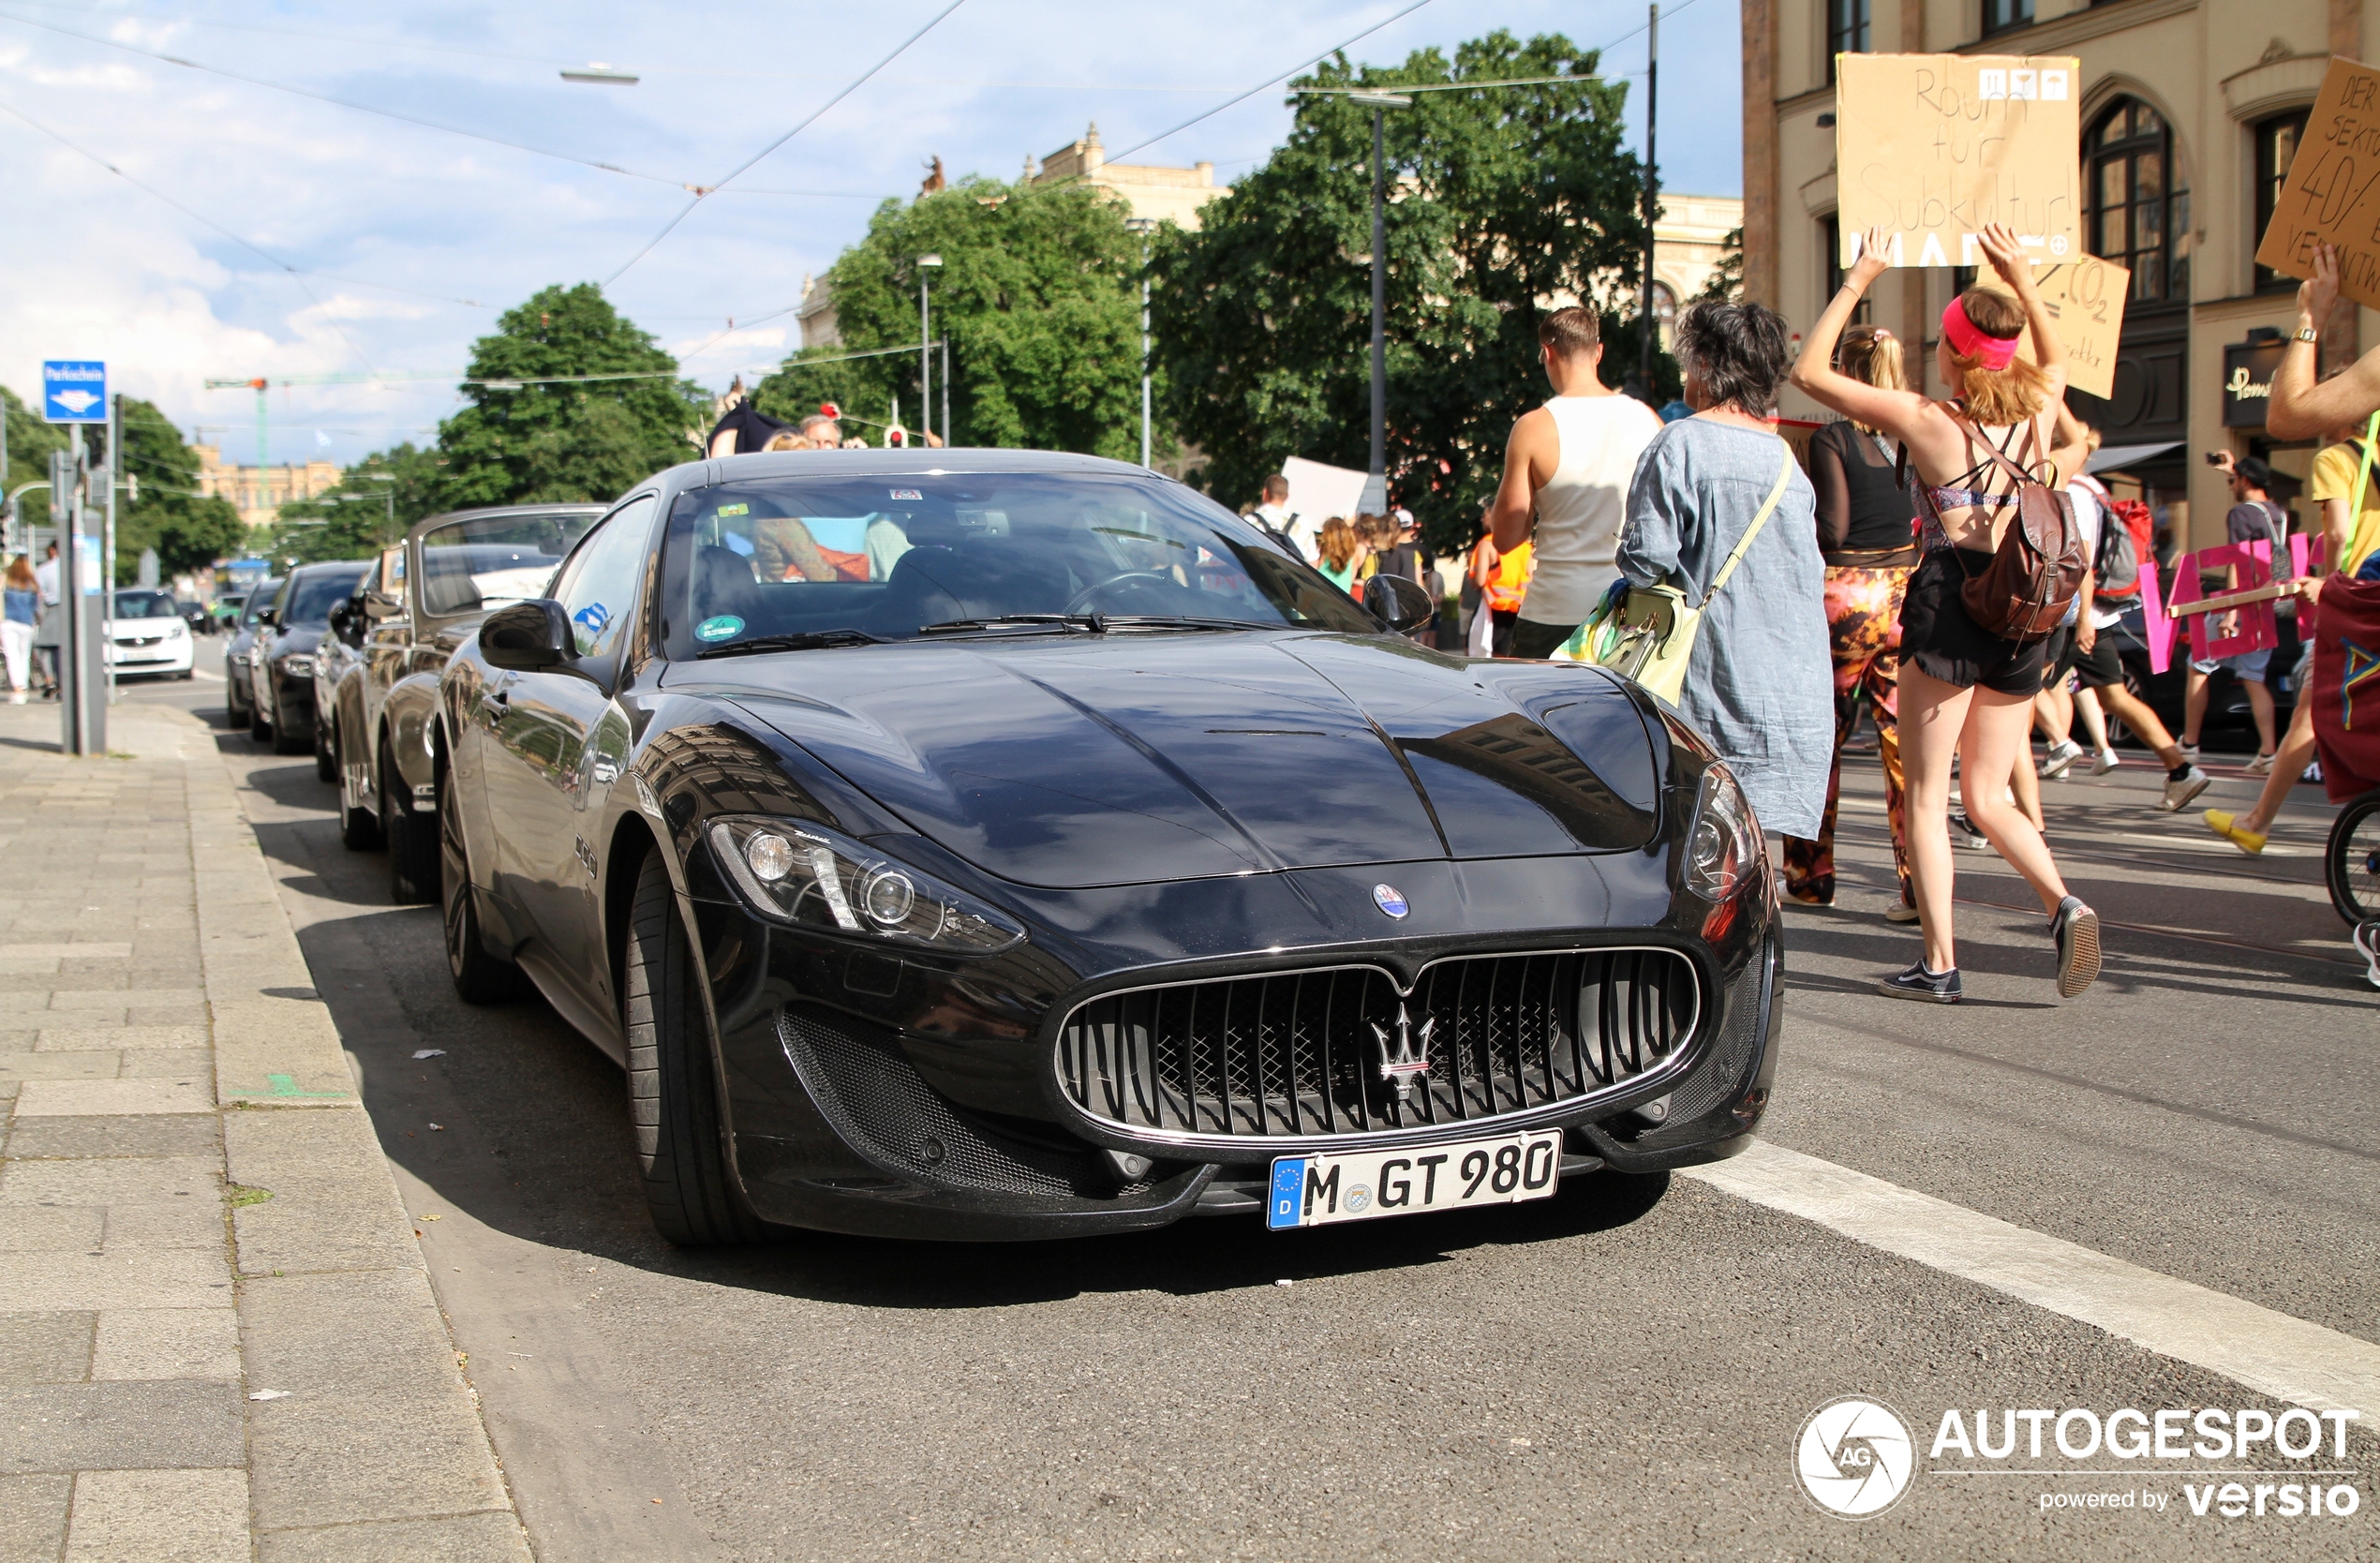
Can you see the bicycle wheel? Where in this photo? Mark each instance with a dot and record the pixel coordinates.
(2351, 864)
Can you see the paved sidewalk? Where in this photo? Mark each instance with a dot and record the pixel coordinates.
(218, 1339)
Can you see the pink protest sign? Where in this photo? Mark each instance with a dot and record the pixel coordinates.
(2253, 630)
(2154, 622)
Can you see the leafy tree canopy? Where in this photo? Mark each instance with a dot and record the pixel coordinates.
(188, 529)
(373, 504)
(30, 442)
(588, 440)
(1039, 293)
(1503, 201)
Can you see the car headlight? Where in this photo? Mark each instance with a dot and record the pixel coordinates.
(1724, 846)
(297, 664)
(176, 629)
(793, 872)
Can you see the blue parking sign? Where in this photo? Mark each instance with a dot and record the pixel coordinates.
(74, 390)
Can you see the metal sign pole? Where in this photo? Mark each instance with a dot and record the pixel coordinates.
(107, 564)
(73, 734)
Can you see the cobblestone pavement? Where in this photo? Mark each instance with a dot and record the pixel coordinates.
(216, 1337)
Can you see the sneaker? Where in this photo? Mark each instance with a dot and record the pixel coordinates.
(1808, 898)
(2249, 842)
(2062, 755)
(2368, 947)
(1921, 985)
(2105, 762)
(1901, 912)
(2180, 790)
(2189, 751)
(2262, 765)
(2311, 773)
(1963, 833)
(2076, 929)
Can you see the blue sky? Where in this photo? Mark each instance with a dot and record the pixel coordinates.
(392, 225)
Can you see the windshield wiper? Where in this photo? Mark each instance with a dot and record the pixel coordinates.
(809, 640)
(1094, 623)
(1173, 621)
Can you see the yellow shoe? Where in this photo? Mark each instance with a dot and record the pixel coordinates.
(2249, 842)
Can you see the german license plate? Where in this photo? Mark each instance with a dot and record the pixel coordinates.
(1316, 1191)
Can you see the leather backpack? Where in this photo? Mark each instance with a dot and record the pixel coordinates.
(2037, 571)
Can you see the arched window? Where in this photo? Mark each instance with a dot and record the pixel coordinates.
(2137, 216)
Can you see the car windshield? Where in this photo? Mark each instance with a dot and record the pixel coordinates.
(258, 600)
(486, 561)
(896, 557)
(145, 604)
(318, 591)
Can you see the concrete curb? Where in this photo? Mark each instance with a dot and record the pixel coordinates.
(375, 1447)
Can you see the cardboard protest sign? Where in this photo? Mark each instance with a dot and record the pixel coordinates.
(2085, 301)
(1933, 147)
(2329, 196)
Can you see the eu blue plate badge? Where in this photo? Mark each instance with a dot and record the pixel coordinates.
(1286, 1207)
(725, 627)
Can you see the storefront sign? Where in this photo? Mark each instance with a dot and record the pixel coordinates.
(2329, 196)
(2248, 368)
(1932, 147)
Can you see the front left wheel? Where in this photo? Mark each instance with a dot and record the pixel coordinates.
(672, 1096)
(2351, 860)
(480, 978)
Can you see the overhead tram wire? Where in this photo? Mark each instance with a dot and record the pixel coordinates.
(815, 115)
(343, 103)
(210, 223)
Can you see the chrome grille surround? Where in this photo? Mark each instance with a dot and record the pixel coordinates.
(1276, 1061)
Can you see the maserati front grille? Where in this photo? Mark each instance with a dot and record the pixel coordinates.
(1338, 1052)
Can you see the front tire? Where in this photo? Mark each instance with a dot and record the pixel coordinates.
(326, 761)
(260, 730)
(480, 978)
(672, 1096)
(413, 866)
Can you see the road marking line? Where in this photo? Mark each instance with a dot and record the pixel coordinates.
(2286, 1357)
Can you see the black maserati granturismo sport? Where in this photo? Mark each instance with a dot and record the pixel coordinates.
(992, 844)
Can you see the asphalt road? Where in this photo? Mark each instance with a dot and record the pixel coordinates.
(1621, 1372)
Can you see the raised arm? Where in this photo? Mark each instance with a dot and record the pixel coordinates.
(1895, 412)
(2302, 410)
(2015, 268)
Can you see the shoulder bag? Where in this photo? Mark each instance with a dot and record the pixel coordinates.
(1647, 632)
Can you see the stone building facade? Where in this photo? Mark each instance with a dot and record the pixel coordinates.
(258, 493)
(2190, 110)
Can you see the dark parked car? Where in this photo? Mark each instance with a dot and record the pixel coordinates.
(375, 673)
(195, 615)
(2231, 724)
(1023, 846)
(241, 650)
(281, 666)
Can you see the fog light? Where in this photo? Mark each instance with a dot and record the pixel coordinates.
(771, 857)
(887, 897)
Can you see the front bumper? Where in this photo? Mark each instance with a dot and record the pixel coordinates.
(914, 1099)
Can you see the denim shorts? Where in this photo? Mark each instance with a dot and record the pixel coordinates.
(2249, 666)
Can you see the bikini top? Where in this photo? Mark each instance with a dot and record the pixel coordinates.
(1959, 491)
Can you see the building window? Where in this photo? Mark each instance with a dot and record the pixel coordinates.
(1845, 30)
(2135, 213)
(2276, 143)
(2000, 15)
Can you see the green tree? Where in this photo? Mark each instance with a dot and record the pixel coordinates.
(590, 440)
(1502, 200)
(373, 504)
(1039, 293)
(30, 442)
(189, 530)
(1726, 283)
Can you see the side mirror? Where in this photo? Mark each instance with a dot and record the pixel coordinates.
(379, 605)
(523, 637)
(1398, 602)
(264, 616)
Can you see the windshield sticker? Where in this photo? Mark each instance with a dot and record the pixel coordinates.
(906, 494)
(725, 627)
(736, 510)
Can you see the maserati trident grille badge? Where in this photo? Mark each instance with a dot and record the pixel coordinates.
(1391, 899)
(1406, 1059)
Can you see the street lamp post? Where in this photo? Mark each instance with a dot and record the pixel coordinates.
(1144, 227)
(1375, 483)
(1652, 111)
(926, 346)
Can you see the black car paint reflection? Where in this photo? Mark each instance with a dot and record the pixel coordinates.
(1154, 807)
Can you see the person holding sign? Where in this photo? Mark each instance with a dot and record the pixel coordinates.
(1964, 689)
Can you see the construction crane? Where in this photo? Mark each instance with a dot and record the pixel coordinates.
(260, 385)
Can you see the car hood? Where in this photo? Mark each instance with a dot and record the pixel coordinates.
(1124, 760)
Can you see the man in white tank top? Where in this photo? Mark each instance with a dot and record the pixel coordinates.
(1568, 467)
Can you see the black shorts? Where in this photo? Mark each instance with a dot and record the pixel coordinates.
(2096, 669)
(1945, 644)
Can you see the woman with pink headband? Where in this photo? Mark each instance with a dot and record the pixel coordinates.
(1965, 690)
